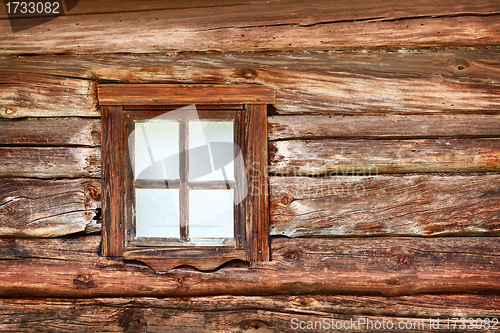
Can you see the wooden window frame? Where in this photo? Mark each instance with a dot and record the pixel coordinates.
(249, 104)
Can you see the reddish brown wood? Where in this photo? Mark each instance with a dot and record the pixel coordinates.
(257, 203)
(355, 10)
(363, 266)
(242, 314)
(213, 107)
(164, 259)
(157, 94)
(113, 151)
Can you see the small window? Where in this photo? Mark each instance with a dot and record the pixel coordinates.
(185, 185)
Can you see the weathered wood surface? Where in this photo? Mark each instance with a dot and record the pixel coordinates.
(426, 205)
(36, 95)
(51, 131)
(387, 126)
(272, 314)
(293, 157)
(333, 157)
(364, 266)
(411, 205)
(48, 208)
(50, 162)
(155, 94)
(448, 81)
(258, 25)
(276, 10)
(87, 131)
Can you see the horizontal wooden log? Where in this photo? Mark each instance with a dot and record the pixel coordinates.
(154, 94)
(87, 131)
(294, 157)
(50, 162)
(48, 208)
(448, 81)
(300, 206)
(364, 266)
(235, 313)
(251, 26)
(361, 157)
(356, 10)
(45, 96)
(425, 205)
(392, 126)
(51, 131)
(71, 247)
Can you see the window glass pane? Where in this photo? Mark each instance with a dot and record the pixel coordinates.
(157, 150)
(211, 150)
(211, 214)
(157, 213)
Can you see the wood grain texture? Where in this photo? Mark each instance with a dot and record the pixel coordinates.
(51, 131)
(257, 198)
(45, 96)
(426, 205)
(87, 131)
(364, 266)
(393, 126)
(50, 162)
(368, 157)
(113, 189)
(297, 25)
(48, 208)
(404, 82)
(355, 10)
(156, 94)
(231, 313)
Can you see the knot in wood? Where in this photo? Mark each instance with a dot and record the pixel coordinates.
(94, 193)
(292, 255)
(286, 199)
(84, 281)
(254, 326)
(10, 209)
(461, 64)
(9, 111)
(8, 240)
(404, 260)
(247, 72)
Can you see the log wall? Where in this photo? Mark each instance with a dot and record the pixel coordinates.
(384, 163)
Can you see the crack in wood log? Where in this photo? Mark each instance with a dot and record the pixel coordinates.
(48, 208)
(373, 266)
(385, 205)
(206, 314)
(425, 204)
(450, 81)
(270, 33)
